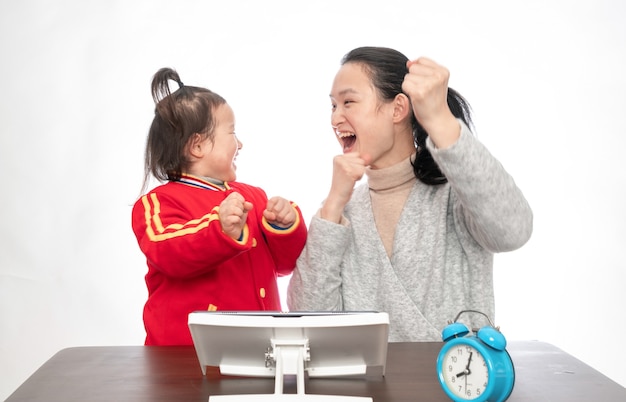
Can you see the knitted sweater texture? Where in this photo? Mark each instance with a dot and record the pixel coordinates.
(442, 254)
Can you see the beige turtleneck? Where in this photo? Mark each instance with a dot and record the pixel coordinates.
(389, 190)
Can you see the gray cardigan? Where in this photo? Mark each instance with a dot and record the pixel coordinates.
(442, 259)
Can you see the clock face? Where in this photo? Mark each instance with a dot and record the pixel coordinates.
(465, 372)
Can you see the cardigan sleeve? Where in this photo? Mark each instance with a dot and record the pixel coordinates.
(487, 201)
(316, 281)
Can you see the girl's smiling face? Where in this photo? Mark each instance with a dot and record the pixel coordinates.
(362, 122)
(222, 148)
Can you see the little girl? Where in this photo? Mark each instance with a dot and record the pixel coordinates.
(210, 242)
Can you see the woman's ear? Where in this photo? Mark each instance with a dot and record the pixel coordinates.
(401, 107)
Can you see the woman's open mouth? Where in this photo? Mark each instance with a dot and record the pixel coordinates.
(347, 140)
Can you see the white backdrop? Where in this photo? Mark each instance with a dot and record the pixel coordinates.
(545, 78)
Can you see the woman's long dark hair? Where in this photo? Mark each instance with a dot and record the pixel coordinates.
(387, 68)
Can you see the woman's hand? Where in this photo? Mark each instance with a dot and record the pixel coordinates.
(347, 170)
(426, 84)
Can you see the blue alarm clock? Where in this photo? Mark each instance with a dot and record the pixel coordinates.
(474, 365)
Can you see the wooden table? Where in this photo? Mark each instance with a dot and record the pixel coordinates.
(144, 373)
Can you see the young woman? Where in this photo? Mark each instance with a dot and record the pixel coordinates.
(210, 242)
(417, 239)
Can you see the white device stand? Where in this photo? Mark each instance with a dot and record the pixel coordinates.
(289, 357)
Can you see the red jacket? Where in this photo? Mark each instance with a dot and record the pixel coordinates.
(193, 266)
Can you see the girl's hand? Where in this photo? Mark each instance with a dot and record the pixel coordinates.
(233, 214)
(279, 212)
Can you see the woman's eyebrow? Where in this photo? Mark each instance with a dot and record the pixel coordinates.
(345, 91)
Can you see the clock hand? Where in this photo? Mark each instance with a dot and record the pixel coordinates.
(467, 367)
(466, 384)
